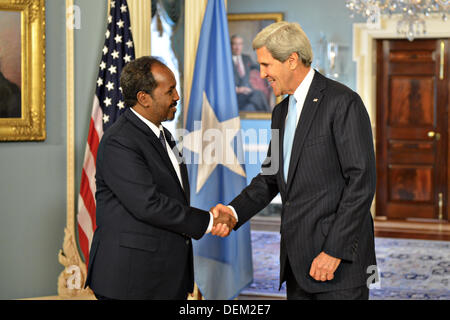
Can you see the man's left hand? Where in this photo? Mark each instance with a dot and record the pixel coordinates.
(323, 267)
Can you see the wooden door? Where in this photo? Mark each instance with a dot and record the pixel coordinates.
(411, 129)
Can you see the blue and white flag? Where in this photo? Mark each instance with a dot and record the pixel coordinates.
(213, 149)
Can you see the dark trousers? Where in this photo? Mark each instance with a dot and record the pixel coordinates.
(294, 292)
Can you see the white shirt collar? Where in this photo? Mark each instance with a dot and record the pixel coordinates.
(302, 90)
(150, 124)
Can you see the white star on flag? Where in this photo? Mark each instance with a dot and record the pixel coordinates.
(107, 102)
(123, 8)
(110, 86)
(115, 54)
(120, 24)
(127, 58)
(118, 39)
(112, 69)
(220, 150)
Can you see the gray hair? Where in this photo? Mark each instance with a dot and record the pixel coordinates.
(282, 39)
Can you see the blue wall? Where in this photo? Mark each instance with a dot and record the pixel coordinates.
(33, 185)
(329, 17)
(33, 174)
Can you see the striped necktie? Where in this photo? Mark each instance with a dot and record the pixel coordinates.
(162, 139)
(289, 132)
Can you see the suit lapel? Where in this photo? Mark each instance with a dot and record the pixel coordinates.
(157, 144)
(312, 102)
(281, 124)
(185, 178)
(183, 169)
(151, 136)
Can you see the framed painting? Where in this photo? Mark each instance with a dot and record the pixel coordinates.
(256, 99)
(22, 70)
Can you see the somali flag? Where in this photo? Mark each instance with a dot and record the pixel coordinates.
(213, 149)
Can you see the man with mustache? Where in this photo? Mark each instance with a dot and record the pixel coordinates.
(142, 246)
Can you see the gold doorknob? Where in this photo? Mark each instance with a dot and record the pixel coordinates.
(435, 135)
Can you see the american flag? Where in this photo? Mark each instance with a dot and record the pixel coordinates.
(108, 106)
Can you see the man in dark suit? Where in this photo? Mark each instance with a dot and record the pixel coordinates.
(326, 174)
(10, 100)
(142, 246)
(249, 98)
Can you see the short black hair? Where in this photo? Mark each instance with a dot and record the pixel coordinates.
(137, 76)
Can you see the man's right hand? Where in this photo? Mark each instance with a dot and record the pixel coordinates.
(224, 220)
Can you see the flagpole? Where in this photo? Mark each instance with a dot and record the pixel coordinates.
(71, 279)
(194, 12)
(213, 99)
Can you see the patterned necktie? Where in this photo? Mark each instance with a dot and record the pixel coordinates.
(289, 132)
(162, 139)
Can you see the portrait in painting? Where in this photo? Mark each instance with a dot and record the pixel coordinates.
(10, 64)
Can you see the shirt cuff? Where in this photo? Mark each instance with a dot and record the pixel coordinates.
(234, 212)
(210, 225)
(211, 219)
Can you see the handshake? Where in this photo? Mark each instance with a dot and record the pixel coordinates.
(224, 220)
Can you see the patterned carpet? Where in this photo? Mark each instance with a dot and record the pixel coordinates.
(408, 269)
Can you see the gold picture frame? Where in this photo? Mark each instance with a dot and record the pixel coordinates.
(246, 26)
(25, 36)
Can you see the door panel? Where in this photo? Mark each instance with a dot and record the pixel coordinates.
(411, 130)
(411, 184)
(411, 99)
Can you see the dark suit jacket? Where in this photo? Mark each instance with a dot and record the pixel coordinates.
(248, 66)
(330, 187)
(256, 100)
(10, 99)
(142, 245)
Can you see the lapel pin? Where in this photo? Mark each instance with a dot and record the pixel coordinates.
(315, 100)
